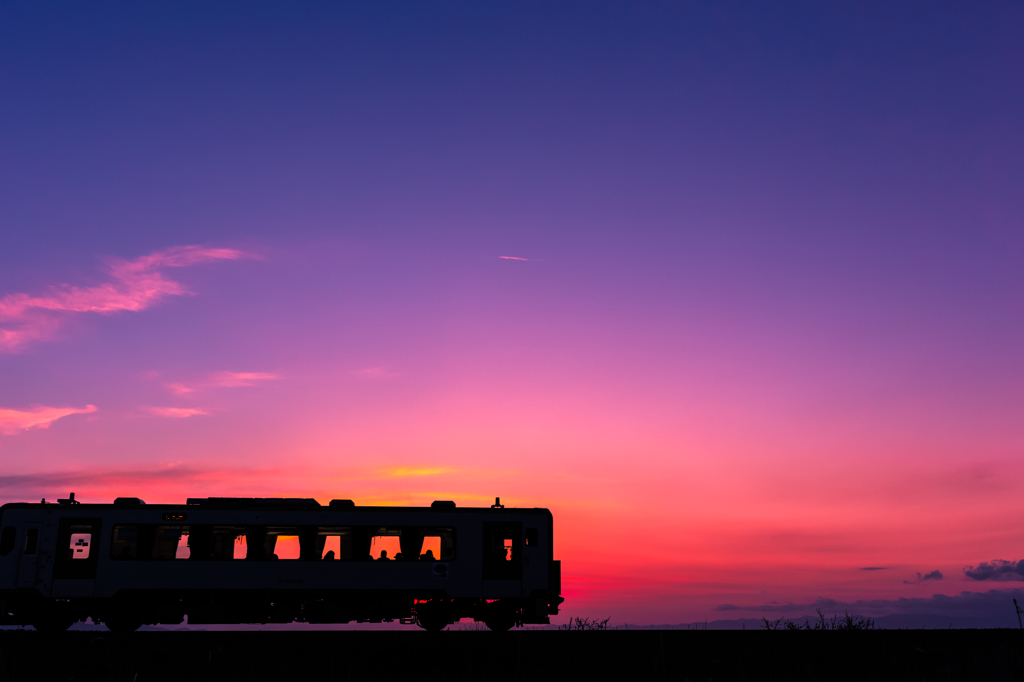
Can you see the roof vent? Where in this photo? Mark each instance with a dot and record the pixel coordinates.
(442, 504)
(342, 503)
(69, 500)
(129, 501)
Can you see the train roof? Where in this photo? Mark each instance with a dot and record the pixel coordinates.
(264, 504)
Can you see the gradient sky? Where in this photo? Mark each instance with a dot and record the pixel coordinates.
(736, 291)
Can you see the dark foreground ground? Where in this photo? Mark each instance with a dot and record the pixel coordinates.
(941, 655)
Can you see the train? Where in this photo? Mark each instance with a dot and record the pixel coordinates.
(228, 560)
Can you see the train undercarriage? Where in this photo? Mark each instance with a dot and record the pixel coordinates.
(129, 610)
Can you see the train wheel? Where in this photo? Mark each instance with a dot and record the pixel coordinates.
(432, 622)
(433, 616)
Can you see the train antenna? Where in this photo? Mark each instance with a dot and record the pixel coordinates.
(497, 504)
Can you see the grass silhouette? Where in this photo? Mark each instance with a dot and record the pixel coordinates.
(847, 622)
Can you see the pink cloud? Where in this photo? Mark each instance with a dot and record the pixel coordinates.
(13, 421)
(513, 258)
(175, 412)
(222, 380)
(231, 379)
(135, 285)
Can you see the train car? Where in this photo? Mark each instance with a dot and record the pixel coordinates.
(274, 560)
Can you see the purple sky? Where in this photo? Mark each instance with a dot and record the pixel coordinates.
(765, 282)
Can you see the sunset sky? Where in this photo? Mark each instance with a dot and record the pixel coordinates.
(736, 292)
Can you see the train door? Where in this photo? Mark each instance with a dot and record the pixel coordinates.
(29, 568)
(78, 553)
(503, 559)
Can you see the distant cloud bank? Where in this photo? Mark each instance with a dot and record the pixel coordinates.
(15, 421)
(134, 285)
(999, 570)
(965, 603)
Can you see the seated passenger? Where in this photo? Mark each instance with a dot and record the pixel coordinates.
(329, 556)
(383, 555)
(429, 556)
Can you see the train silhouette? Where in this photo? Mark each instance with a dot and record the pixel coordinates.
(274, 560)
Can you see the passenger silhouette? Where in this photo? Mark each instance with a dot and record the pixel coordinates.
(399, 556)
(428, 556)
(329, 556)
(383, 555)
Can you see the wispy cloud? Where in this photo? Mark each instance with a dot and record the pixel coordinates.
(15, 421)
(874, 568)
(134, 285)
(999, 570)
(180, 389)
(175, 412)
(221, 380)
(934, 575)
(230, 379)
(513, 258)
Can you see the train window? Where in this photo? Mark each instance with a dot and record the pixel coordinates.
(386, 547)
(171, 542)
(7, 540)
(80, 545)
(447, 544)
(32, 541)
(224, 542)
(407, 543)
(502, 559)
(282, 543)
(438, 545)
(213, 543)
(308, 543)
(332, 548)
(334, 543)
(76, 557)
(431, 548)
(125, 544)
(531, 537)
(288, 547)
